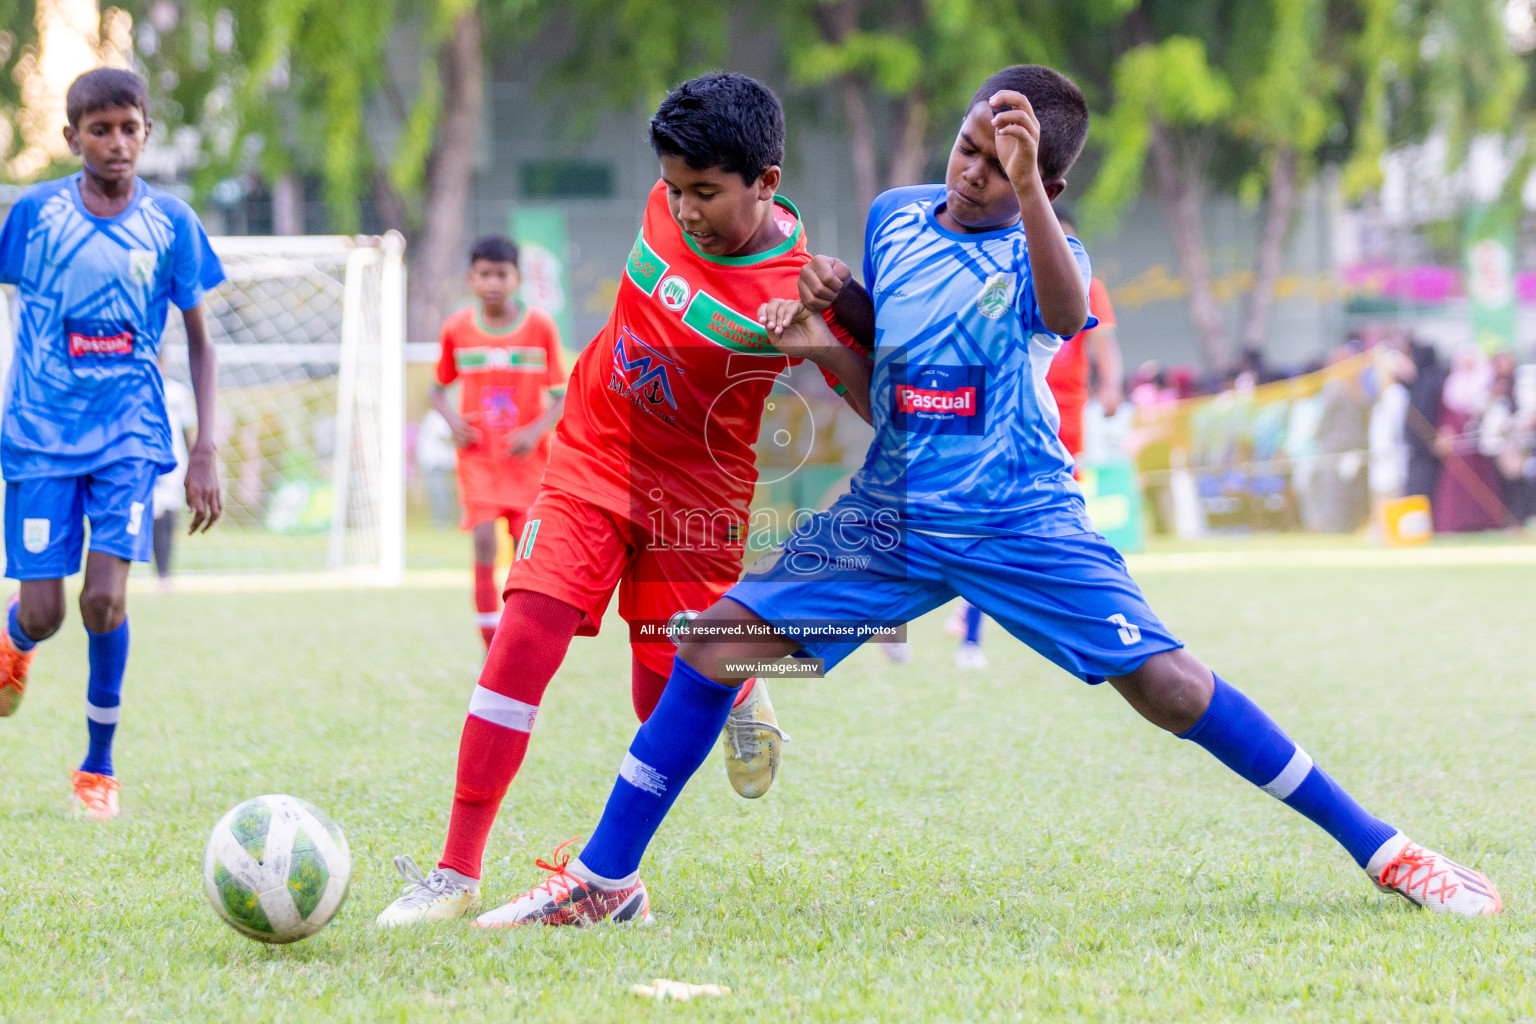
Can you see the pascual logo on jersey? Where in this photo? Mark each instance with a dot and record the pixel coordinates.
(674, 293)
(960, 401)
(938, 399)
(996, 296)
(93, 345)
(141, 266)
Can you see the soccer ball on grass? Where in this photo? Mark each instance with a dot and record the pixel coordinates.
(276, 868)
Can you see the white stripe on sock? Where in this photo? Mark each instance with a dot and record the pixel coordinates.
(102, 716)
(642, 776)
(487, 620)
(501, 710)
(1291, 776)
(1385, 854)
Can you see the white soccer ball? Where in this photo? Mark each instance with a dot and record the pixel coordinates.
(276, 868)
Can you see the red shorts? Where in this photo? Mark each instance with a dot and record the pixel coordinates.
(576, 551)
(1071, 432)
(477, 512)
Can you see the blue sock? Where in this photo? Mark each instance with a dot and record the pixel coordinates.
(1245, 739)
(109, 657)
(666, 752)
(972, 624)
(19, 636)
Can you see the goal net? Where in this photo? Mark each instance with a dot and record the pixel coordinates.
(309, 332)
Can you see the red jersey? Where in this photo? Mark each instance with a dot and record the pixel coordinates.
(1068, 373)
(665, 404)
(504, 376)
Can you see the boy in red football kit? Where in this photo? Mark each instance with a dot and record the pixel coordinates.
(1094, 348)
(652, 469)
(506, 356)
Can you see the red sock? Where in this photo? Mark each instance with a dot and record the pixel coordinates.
(743, 693)
(645, 687)
(520, 665)
(485, 600)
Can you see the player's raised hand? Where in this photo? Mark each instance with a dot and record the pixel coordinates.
(203, 496)
(1017, 135)
(821, 280)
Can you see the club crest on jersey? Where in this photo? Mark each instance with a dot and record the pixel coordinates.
(141, 266)
(674, 293)
(939, 399)
(498, 408)
(996, 296)
(678, 624)
(642, 373)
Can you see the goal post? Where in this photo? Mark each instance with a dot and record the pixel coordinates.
(310, 333)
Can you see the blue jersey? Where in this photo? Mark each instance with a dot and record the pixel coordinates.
(965, 426)
(92, 298)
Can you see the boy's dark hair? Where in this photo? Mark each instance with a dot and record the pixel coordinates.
(104, 88)
(722, 119)
(1059, 106)
(495, 248)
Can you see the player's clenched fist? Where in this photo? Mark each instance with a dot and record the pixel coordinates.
(821, 280)
(1018, 135)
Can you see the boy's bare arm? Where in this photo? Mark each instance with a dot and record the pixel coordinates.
(1058, 279)
(203, 496)
(464, 435)
(1104, 354)
(800, 333)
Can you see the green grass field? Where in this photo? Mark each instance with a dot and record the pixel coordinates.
(1007, 844)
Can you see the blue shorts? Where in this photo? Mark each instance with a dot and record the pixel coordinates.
(45, 519)
(841, 578)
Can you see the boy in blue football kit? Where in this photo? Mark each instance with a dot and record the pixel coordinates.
(96, 259)
(966, 491)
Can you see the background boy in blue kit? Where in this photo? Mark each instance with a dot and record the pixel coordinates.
(96, 258)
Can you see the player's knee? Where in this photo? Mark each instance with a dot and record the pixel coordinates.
(40, 620)
(102, 610)
(1172, 689)
(1180, 686)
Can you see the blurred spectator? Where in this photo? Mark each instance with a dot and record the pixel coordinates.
(1505, 437)
(437, 461)
(1467, 496)
(170, 493)
(1343, 495)
(1426, 384)
(1388, 446)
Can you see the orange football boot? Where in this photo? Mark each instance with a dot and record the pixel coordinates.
(95, 795)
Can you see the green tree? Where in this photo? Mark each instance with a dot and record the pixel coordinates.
(380, 100)
(1252, 97)
(903, 70)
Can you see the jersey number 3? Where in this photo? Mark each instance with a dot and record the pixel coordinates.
(1130, 633)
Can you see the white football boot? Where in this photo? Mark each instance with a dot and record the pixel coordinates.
(433, 897)
(970, 656)
(1426, 879)
(754, 743)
